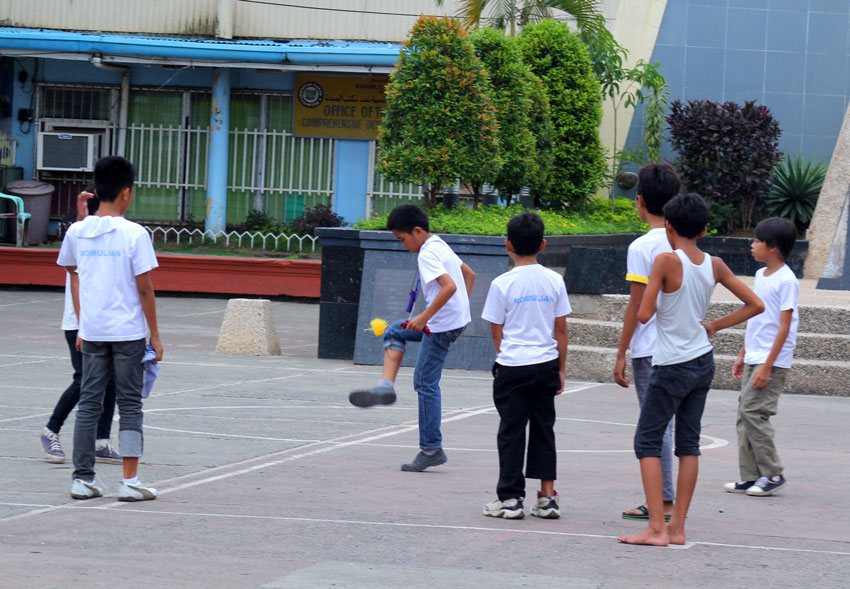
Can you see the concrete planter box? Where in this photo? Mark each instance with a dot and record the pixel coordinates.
(367, 274)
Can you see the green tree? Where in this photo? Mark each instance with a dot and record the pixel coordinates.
(508, 14)
(544, 150)
(440, 123)
(561, 61)
(512, 89)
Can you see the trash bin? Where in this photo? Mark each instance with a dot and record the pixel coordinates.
(36, 196)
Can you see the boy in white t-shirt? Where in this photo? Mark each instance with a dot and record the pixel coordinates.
(527, 308)
(657, 184)
(109, 259)
(51, 445)
(446, 282)
(765, 359)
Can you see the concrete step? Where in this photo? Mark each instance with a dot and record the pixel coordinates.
(812, 377)
(813, 319)
(812, 346)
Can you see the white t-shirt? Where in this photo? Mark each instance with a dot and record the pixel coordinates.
(69, 316)
(435, 259)
(525, 301)
(109, 252)
(778, 292)
(641, 256)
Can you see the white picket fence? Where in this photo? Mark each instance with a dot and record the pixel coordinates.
(250, 239)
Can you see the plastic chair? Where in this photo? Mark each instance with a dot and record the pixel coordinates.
(19, 215)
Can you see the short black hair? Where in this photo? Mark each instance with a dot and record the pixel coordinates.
(112, 174)
(657, 184)
(525, 232)
(406, 217)
(687, 213)
(779, 233)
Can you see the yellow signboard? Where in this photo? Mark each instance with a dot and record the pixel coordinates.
(346, 107)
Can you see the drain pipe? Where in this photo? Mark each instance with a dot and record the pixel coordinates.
(97, 61)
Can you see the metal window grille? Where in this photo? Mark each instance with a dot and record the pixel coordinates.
(385, 195)
(74, 103)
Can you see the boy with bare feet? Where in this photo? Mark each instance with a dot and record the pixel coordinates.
(680, 288)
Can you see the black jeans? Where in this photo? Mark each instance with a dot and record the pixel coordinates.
(525, 396)
(71, 396)
(680, 390)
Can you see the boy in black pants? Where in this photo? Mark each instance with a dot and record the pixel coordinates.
(527, 308)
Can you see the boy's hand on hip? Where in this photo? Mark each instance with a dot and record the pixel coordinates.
(710, 329)
(157, 347)
(761, 377)
(620, 372)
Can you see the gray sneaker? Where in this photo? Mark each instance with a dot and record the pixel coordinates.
(508, 509)
(105, 452)
(423, 461)
(87, 489)
(546, 507)
(52, 446)
(377, 395)
(137, 492)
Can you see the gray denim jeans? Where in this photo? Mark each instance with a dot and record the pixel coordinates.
(125, 358)
(642, 369)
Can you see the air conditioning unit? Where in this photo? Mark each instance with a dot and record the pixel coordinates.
(74, 152)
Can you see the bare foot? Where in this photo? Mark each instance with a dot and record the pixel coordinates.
(676, 534)
(646, 537)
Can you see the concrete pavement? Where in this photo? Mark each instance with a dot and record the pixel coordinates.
(268, 478)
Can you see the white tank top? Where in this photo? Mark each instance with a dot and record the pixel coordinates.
(681, 336)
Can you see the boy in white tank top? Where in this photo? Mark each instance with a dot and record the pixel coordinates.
(680, 286)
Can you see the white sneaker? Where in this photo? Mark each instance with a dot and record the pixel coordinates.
(87, 490)
(509, 509)
(137, 492)
(546, 507)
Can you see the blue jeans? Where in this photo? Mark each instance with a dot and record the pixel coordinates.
(100, 359)
(680, 390)
(642, 369)
(426, 376)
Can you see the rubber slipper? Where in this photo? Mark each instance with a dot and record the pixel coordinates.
(643, 515)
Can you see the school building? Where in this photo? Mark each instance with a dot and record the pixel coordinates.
(228, 106)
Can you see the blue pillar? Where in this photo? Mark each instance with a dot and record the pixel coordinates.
(352, 175)
(217, 157)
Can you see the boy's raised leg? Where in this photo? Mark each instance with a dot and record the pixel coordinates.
(688, 471)
(655, 534)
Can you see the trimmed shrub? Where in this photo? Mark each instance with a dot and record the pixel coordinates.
(320, 215)
(561, 61)
(726, 153)
(439, 124)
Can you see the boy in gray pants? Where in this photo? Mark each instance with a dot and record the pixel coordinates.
(109, 260)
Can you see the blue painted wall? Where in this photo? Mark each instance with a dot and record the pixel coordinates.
(790, 55)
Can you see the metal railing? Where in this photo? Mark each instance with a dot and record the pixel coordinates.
(384, 195)
(249, 239)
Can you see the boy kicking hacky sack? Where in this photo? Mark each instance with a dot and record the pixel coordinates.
(765, 359)
(110, 259)
(680, 288)
(446, 282)
(527, 308)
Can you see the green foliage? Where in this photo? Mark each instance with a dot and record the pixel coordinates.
(320, 215)
(512, 89)
(561, 61)
(540, 125)
(596, 218)
(726, 153)
(257, 220)
(510, 13)
(440, 123)
(795, 189)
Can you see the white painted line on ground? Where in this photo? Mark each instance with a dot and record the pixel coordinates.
(32, 302)
(24, 417)
(460, 528)
(583, 387)
(25, 363)
(301, 346)
(229, 384)
(220, 435)
(201, 313)
(26, 504)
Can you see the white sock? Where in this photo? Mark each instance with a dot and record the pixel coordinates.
(383, 382)
(98, 444)
(133, 481)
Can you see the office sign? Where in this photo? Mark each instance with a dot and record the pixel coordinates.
(345, 107)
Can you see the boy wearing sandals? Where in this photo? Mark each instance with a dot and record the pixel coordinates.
(527, 308)
(765, 359)
(657, 184)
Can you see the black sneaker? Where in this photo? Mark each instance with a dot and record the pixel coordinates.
(766, 486)
(508, 509)
(423, 461)
(377, 395)
(739, 487)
